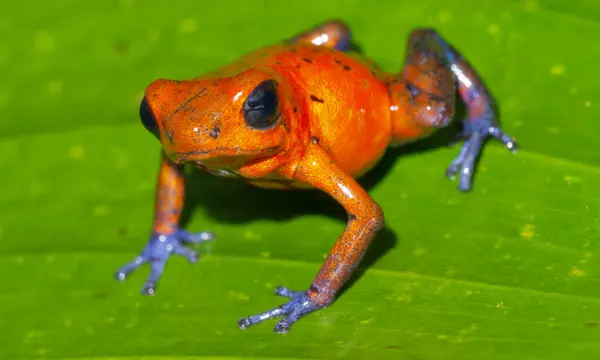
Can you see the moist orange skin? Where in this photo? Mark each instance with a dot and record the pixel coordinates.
(327, 97)
(338, 116)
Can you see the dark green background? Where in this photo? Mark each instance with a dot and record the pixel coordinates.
(508, 271)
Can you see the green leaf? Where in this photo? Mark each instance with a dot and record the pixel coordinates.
(508, 271)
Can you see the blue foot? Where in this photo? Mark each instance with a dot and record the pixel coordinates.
(157, 252)
(471, 149)
(299, 305)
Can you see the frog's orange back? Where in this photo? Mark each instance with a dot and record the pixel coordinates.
(344, 102)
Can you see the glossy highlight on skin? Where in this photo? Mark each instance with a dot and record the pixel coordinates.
(307, 114)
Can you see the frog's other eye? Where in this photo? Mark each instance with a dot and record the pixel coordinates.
(148, 118)
(261, 108)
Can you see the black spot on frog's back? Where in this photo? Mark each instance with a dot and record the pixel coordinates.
(316, 99)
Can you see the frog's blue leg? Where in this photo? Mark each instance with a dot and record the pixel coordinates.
(166, 238)
(332, 34)
(481, 120)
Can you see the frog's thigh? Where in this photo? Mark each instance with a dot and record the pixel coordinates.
(425, 89)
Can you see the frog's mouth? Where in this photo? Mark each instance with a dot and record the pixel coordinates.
(221, 156)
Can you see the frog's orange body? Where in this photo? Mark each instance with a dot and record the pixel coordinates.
(336, 97)
(326, 96)
(307, 114)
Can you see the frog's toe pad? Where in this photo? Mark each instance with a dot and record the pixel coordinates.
(299, 305)
(149, 289)
(125, 270)
(194, 238)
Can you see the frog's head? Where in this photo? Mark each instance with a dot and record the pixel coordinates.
(217, 122)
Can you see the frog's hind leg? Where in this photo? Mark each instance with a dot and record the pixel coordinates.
(332, 34)
(481, 121)
(424, 97)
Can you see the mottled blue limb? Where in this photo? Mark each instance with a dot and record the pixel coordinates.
(481, 121)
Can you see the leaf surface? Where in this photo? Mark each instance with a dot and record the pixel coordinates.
(508, 271)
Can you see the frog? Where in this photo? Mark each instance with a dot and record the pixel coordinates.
(308, 113)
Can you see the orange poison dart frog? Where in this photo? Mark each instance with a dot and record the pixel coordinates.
(307, 113)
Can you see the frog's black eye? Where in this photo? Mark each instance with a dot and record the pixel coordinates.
(261, 108)
(148, 118)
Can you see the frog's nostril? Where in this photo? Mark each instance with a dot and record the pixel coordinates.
(148, 118)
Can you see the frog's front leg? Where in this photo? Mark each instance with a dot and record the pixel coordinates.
(167, 238)
(332, 34)
(432, 72)
(365, 219)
